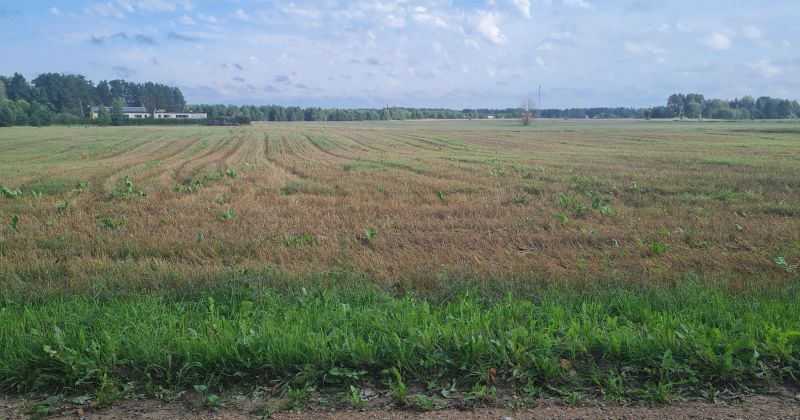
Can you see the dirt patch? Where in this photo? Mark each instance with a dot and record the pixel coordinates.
(782, 405)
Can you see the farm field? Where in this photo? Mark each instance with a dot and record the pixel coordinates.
(618, 260)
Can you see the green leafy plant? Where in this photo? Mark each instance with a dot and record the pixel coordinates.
(355, 398)
(440, 195)
(518, 199)
(299, 241)
(42, 409)
(296, 399)
(782, 263)
(127, 190)
(658, 248)
(566, 201)
(64, 206)
(398, 389)
(111, 224)
(14, 223)
(562, 218)
(423, 403)
(9, 193)
(227, 215)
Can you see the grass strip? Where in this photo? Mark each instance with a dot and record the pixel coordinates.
(619, 342)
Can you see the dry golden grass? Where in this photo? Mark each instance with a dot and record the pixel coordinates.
(412, 201)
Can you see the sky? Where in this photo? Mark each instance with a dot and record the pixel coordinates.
(415, 53)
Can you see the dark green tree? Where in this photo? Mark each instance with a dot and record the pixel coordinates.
(103, 93)
(117, 116)
(18, 88)
(8, 115)
(39, 115)
(103, 117)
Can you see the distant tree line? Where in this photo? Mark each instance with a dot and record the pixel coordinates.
(53, 98)
(295, 113)
(696, 106)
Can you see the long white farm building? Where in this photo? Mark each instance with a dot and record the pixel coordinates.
(139, 112)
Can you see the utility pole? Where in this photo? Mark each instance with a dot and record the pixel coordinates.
(540, 100)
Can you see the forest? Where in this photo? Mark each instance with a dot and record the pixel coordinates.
(53, 98)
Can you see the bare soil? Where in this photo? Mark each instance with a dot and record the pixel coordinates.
(781, 405)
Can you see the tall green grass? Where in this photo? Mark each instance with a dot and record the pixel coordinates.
(608, 340)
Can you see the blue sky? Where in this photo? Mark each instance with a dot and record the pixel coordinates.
(477, 53)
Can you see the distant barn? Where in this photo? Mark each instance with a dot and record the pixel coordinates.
(139, 112)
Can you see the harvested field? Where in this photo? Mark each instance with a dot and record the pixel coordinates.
(410, 201)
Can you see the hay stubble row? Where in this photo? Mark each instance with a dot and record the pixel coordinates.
(475, 199)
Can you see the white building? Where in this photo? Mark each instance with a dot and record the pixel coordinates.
(140, 112)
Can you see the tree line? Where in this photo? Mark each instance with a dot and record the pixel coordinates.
(53, 98)
(66, 98)
(696, 106)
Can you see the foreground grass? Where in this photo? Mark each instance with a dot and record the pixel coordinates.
(618, 342)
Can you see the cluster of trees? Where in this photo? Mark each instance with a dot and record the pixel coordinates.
(295, 113)
(66, 98)
(694, 105)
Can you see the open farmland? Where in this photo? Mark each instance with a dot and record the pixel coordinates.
(544, 259)
(403, 201)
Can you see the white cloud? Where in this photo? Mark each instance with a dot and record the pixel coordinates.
(120, 8)
(471, 43)
(642, 48)
(424, 16)
(54, 10)
(242, 15)
(524, 7)
(207, 18)
(717, 41)
(562, 35)
(186, 20)
(752, 32)
(487, 24)
(394, 21)
(765, 68)
(577, 3)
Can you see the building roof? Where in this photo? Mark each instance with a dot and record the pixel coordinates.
(125, 109)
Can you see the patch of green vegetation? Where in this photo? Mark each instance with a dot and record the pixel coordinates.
(658, 248)
(227, 215)
(624, 341)
(299, 241)
(380, 164)
(306, 186)
(55, 186)
(9, 193)
(363, 164)
(779, 209)
(724, 161)
(111, 224)
(126, 190)
(200, 177)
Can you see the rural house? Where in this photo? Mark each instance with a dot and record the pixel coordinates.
(139, 112)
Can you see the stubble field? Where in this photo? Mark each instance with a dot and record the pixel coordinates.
(404, 201)
(548, 257)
